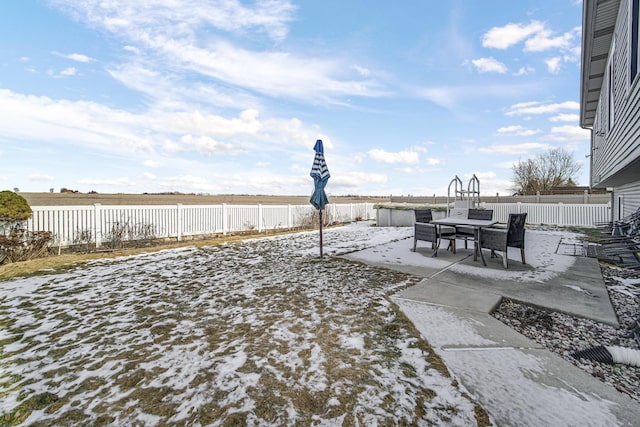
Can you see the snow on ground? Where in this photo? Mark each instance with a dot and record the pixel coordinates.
(259, 332)
(541, 247)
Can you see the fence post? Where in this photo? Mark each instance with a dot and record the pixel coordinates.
(97, 229)
(259, 218)
(289, 216)
(351, 216)
(179, 222)
(586, 197)
(224, 219)
(537, 197)
(560, 213)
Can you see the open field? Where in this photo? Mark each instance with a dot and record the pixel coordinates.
(74, 199)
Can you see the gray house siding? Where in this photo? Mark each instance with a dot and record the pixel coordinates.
(629, 197)
(615, 138)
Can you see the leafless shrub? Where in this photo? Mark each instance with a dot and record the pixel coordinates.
(116, 237)
(144, 233)
(22, 245)
(83, 241)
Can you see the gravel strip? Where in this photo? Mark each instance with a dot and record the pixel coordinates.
(564, 334)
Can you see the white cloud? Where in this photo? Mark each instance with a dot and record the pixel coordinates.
(417, 171)
(188, 178)
(208, 146)
(544, 40)
(569, 133)
(510, 34)
(442, 96)
(553, 64)
(433, 162)
(573, 54)
(489, 65)
(149, 176)
(565, 118)
(140, 19)
(359, 158)
(71, 71)
(524, 71)
(409, 157)
(514, 148)
(78, 57)
(541, 108)
(361, 70)
(271, 73)
(517, 131)
(356, 179)
(27, 117)
(480, 175)
(451, 96)
(165, 33)
(536, 35)
(95, 126)
(108, 182)
(171, 147)
(40, 177)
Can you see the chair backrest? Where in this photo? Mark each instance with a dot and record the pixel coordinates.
(480, 214)
(423, 215)
(515, 231)
(458, 213)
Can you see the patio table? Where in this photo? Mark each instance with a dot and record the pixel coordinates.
(477, 224)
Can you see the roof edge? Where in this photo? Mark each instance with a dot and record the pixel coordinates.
(588, 11)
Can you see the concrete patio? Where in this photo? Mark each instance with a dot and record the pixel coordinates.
(518, 381)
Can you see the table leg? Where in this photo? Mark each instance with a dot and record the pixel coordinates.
(438, 239)
(475, 244)
(479, 246)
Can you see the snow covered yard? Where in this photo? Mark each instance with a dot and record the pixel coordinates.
(259, 332)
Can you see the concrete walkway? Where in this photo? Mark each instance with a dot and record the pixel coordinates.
(516, 380)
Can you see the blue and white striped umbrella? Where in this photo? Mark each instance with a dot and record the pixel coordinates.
(320, 175)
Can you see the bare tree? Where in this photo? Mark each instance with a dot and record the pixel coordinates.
(544, 172)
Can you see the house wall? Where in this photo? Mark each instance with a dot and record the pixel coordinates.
(616, 135)
(630, 199)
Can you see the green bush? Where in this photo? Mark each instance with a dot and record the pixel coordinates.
(13, 207)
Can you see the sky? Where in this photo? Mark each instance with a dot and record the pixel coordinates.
(229, 97)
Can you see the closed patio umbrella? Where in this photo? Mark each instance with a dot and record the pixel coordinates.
(320, 175)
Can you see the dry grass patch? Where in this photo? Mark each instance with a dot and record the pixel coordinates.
(248, 332)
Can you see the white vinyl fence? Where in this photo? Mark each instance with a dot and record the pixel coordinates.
(101, 224)
(105, 223)
(579, 215)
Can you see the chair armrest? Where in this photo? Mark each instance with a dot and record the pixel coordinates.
(427, 227)
(494, 238)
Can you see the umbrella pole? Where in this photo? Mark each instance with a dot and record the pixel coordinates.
(320, 233)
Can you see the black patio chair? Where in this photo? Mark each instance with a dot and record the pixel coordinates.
(425, 231)
(497, 239)
(465, 232)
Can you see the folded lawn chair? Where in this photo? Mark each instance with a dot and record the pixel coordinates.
(613, 231)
